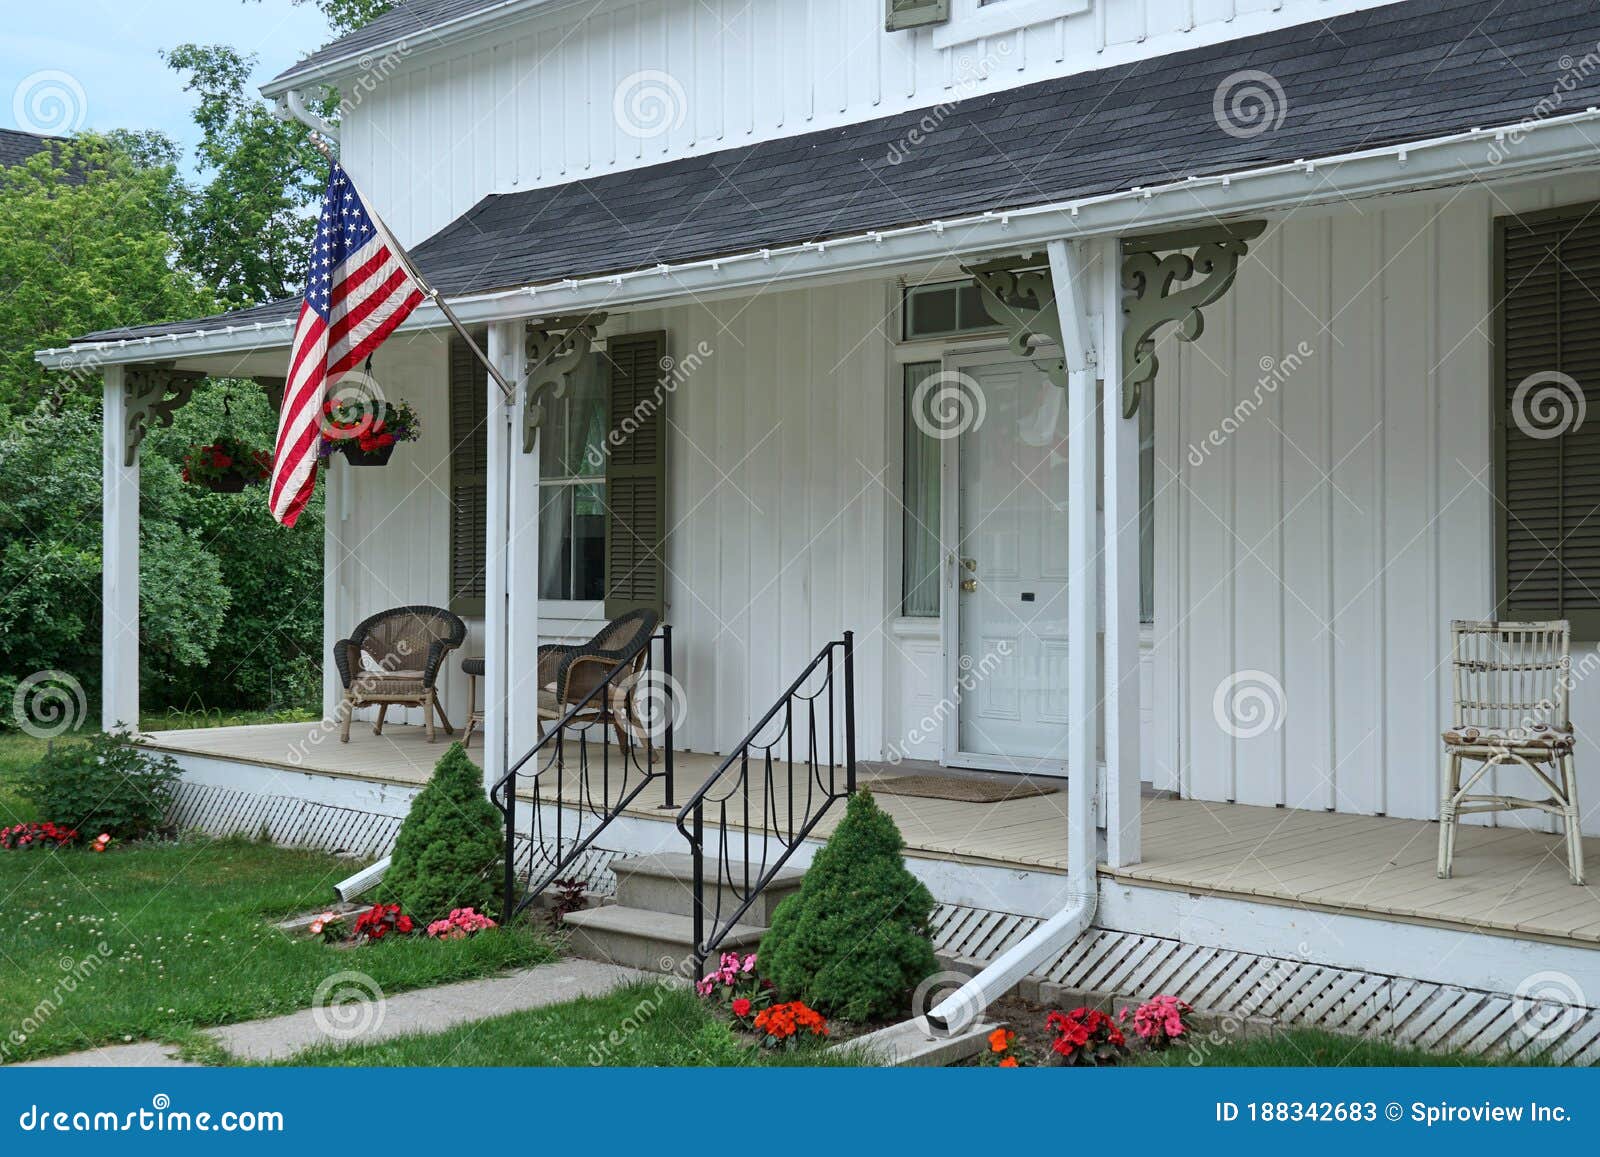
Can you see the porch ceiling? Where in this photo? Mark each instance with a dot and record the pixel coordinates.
(1385, 76)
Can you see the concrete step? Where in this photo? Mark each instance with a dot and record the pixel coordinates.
(664, 882)
(640, 938)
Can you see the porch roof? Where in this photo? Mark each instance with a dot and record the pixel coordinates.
(1382, 77)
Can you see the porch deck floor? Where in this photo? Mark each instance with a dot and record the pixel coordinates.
(1508, 881)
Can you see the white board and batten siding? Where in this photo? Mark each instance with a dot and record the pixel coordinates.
(544, 99)
(1333, 535)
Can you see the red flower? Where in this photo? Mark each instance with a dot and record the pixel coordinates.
(741, 1008)
(403, 924)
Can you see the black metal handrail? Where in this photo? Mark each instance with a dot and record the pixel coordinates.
(606, 783)
(727, 791)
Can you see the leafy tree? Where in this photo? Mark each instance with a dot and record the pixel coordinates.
(50, 606)
(853, 941)
(448, 846)
(245, 232)
(85, 244)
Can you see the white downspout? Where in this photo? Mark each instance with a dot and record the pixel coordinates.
(292, 105)
(962, 1007)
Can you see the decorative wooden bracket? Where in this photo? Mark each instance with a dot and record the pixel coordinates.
(554, 350)
(273, 388)
(154, 393)
(1019, 294)
(1150, 268)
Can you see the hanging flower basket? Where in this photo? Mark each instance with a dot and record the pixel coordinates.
(225, 466)
(366, 430)
(357, 456)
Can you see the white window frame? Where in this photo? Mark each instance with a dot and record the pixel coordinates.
(971, 20)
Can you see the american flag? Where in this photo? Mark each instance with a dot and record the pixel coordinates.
(358, 289)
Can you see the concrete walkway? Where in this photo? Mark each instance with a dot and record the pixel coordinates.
(356, 1014)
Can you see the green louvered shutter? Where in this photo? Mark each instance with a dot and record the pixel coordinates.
(915, 13)
(1549, 510)
(636, 474)
(469, 479)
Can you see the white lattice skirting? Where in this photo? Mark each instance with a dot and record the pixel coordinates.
(1231, 985)
(1243, 987)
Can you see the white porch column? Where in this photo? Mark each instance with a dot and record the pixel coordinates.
(1083, 602)
(511, 588)
(522, 570)
(1121, 498)
(119, 581)
(503, 340)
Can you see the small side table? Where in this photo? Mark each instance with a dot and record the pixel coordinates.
(473, 670)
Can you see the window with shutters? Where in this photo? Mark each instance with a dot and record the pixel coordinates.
(638, 391)
(1547, 362)
(469, 479)
(572, 488)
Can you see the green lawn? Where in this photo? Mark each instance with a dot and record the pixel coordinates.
(151, 941)
(638, 1025)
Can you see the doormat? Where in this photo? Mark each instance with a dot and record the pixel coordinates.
(961, 789)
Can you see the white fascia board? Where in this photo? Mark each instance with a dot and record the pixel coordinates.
(1546, 146)
(441, 35)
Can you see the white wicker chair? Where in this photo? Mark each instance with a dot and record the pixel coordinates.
(1511, 683)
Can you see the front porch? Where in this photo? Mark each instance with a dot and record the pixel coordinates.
(1509, 882)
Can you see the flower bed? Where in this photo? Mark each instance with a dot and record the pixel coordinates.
(34, 837)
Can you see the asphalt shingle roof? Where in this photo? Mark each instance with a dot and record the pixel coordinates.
(16, 147)
(410, 20)
(1383, 76)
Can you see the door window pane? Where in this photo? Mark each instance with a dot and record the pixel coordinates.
(920, 502)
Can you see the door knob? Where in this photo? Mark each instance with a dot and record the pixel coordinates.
(971, 564)
(968, 586)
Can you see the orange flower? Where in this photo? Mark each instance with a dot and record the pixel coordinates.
(1009, 1063)
(1000, 1040)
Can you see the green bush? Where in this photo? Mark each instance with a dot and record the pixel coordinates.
(853, 941)
(102, 784)
(448, 847)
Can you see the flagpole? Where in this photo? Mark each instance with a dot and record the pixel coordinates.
(506, 388)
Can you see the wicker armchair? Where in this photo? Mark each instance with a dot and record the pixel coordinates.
(567, 674)
(394, 659)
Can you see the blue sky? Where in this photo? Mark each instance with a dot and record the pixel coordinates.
(103, 58)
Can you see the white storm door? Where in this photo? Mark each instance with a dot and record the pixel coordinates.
(1006, 578)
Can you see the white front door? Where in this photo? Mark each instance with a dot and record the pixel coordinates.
(1006, 503)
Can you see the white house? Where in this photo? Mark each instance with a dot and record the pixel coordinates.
(1145, 384)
